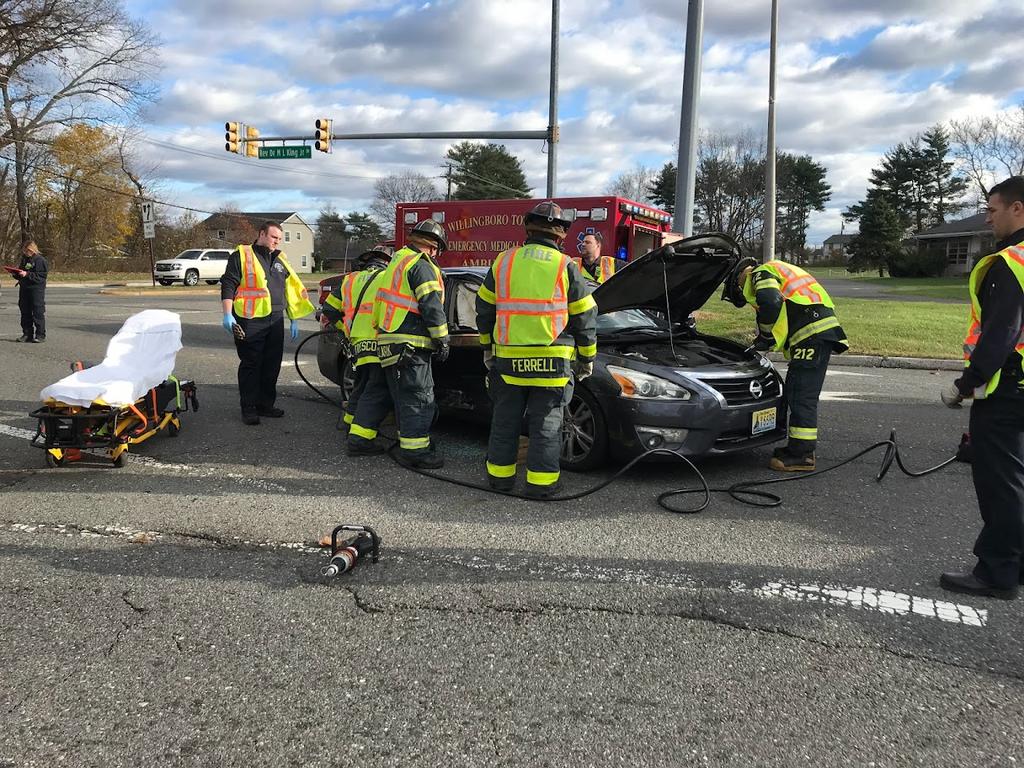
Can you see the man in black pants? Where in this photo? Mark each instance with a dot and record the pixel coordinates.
(994, 378)
(31, 277)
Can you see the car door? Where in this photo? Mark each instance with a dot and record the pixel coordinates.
(218, 263)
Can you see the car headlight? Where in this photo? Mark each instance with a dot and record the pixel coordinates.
(175, 266)
(644, 386)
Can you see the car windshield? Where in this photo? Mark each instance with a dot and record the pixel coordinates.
(625, 320)
(188, 254)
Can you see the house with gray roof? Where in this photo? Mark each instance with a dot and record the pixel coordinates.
(228, 229)
(960, 242)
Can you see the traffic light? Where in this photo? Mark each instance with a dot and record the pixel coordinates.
(323, 134)
(231, 137)
(252, 135)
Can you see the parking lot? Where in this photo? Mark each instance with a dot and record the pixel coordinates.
(172, 612)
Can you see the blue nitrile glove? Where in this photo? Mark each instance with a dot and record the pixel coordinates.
(229, 322)
(295, 329)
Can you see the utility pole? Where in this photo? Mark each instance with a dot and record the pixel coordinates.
(553, 105)
(448, 194)
(686, 166)
(769, 179)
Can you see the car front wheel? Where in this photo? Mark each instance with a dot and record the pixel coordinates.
(584, 433)
(191, 277)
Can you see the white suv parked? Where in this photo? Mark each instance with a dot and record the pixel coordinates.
(191, 266)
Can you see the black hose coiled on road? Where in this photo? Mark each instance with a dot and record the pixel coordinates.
(742, 492)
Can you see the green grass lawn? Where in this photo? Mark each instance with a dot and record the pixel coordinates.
(873, 327)
(96, 277)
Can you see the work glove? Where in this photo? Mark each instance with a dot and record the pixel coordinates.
(951, 396)
(294, 329)
(488, 359)
(764, 342)
(229, 322)
(441, 353)
(582, 369)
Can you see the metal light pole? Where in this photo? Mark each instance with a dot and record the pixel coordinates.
(686, 167)
(553, 104)
(769, 179)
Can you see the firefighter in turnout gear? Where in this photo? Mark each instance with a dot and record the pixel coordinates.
(349, 308)
(409, 319)
(994, 379)
(592, 265)
(538, 324)
(257, 289)
(796, 315)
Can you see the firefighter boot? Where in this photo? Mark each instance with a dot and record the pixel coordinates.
(783, 460)
(421, 459)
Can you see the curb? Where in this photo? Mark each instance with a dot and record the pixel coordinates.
(881, 361)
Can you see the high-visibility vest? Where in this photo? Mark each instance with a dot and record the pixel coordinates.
(252, 297)
(1014, 258)
(799, 287)
(395, 298)
(605, 267)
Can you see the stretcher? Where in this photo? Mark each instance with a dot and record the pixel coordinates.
(124, 400)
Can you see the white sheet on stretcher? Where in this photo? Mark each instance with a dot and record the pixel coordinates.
(140, 356)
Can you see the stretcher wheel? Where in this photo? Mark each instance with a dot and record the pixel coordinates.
(121, 460)
(172, 429)
(53, 462)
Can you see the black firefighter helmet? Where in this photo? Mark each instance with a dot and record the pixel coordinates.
(733, 290)
(548, 217)
(431, 230)
(378, 256)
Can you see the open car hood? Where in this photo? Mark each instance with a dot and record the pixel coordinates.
(692, 268)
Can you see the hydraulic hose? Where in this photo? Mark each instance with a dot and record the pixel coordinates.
(743, 492)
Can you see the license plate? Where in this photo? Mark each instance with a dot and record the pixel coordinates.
(763, 421)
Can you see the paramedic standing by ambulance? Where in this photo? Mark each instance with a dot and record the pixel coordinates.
(258, 288)
(796, 315)
(538, 324)
(593, 265)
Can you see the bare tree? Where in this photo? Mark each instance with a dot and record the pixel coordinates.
(990, 148)
(634, 184)
(404, 187)
(729, 195)
(64, 62)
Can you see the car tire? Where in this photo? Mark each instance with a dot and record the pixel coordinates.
(212, 282)
(165, 282)
(584, 433)
(191, 277)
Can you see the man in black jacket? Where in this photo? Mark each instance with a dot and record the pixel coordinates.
(31, 277)
(994, 378)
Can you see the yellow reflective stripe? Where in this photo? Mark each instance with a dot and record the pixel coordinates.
(520, 381)
(501, 470)
(363, 432)
(428, 287)
(349, 418)
(413, 443)
(761, 285)
(487, 294)
(416, 341)
(438, 331)
(541, 478)
(335, 302)
(587, 350)
(485, 339)
(555, 350)
(813, 328)
(803, 433)
(364, 359)
(582, 305)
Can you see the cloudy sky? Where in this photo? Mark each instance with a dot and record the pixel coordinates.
(855, 77)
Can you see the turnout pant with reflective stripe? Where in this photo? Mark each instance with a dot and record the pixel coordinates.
(806, 375)
(259, 355)
(543, 407)
(411, 383)
(997, 438)
(372, 405)
(358, 385)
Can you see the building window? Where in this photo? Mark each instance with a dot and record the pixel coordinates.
(298, 235)
(303, 259)
(287, 237)
(220, 234)
(957, 251)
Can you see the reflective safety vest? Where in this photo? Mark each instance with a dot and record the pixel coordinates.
(1014, 257)
(252, 297)
(605, 268)
(799, 287)
(395, 298)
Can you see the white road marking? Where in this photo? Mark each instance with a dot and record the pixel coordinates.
(834, 372)
(843, 396)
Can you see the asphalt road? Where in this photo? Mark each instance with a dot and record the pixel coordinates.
(172, 613)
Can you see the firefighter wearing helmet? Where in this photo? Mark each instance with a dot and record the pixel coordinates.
(409, 319)
(538, 324)
(796, 315)
(348, 308)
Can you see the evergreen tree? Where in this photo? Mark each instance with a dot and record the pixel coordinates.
(801, 189)
(880, 238)
(945, 190)
(662, 191)
(329, 240)
(486, 172)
